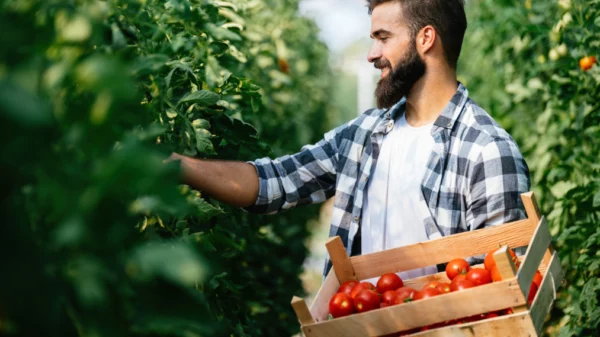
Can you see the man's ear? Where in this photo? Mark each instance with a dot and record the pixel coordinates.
(426, 39)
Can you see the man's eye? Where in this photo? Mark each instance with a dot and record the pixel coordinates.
(383, 39)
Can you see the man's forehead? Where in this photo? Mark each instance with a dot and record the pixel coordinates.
(387, 16)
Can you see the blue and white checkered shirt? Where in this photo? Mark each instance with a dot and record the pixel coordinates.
(473, 179)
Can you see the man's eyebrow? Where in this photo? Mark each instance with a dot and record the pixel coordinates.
(379, 32)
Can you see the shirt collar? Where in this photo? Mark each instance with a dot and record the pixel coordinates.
(449, 114)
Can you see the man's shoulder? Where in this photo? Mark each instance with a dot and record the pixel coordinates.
(370, 118)
(480, 126)
(482, 137)
(366, 122)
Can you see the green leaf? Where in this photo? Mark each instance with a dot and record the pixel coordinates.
(149, 64)
(202, 97)
(175, 261)
(118, 39)
(221, 33)
(20, 105)
(597, 199)
(203, 141)
(561, 188)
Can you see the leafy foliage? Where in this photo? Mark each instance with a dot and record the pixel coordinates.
(527, 58)
(99, 237)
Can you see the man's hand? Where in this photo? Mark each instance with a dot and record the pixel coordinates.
(231, 182)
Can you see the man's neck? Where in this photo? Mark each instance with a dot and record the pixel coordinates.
(429, 96)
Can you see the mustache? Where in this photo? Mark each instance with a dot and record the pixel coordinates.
(380, 64)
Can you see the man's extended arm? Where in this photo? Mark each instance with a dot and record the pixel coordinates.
(231, 182)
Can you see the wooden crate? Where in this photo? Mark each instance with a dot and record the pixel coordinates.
(511, 292)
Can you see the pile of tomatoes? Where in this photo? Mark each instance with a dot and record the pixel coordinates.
(356, 297)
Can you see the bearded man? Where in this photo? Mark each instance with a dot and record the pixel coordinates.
(426, 163)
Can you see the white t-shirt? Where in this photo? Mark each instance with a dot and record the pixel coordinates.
(391, 208)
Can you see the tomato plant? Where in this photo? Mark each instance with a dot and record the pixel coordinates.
(94, 95)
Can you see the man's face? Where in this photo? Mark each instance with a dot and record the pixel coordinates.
(394, 52)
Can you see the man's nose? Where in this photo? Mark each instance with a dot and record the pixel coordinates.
(374, 52)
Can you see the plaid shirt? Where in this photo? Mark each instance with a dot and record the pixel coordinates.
(473, 179)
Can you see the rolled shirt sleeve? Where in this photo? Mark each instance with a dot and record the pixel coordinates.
(306, 177)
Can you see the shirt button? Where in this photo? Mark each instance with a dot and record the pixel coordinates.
(449, 125)
(389, 126)
(356, 218)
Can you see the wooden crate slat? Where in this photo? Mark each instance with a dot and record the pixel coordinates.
(301, 310)
(534, 215)
(544, 299)
(538, 246)
(498, 295)
(340, 259)
(515, 234)
(516, 325)
(507, 269)
(531, 207)
(320, 305)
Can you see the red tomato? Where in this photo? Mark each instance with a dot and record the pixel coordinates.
(347, 286)
(586, 63)
(506, 311)
(474, 318)
(341, 305)
(443, 288)
(491, 315)
(388, 296)
(384, 304)
(537, 278)
(457, 267)
(432, 284)
(489, 262)
(532, 291)
(460, 277)
(361, 286)
(434, 326)
(461, 285)
(495, 274)
(403, 295)
(389, 281)
(426, 293)
(479, 276)
(366, 300)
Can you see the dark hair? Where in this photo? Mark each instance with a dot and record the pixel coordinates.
(446, 16)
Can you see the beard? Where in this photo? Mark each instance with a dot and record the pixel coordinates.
(399, 81)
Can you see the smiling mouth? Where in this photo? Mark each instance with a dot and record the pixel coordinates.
(384, 72)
